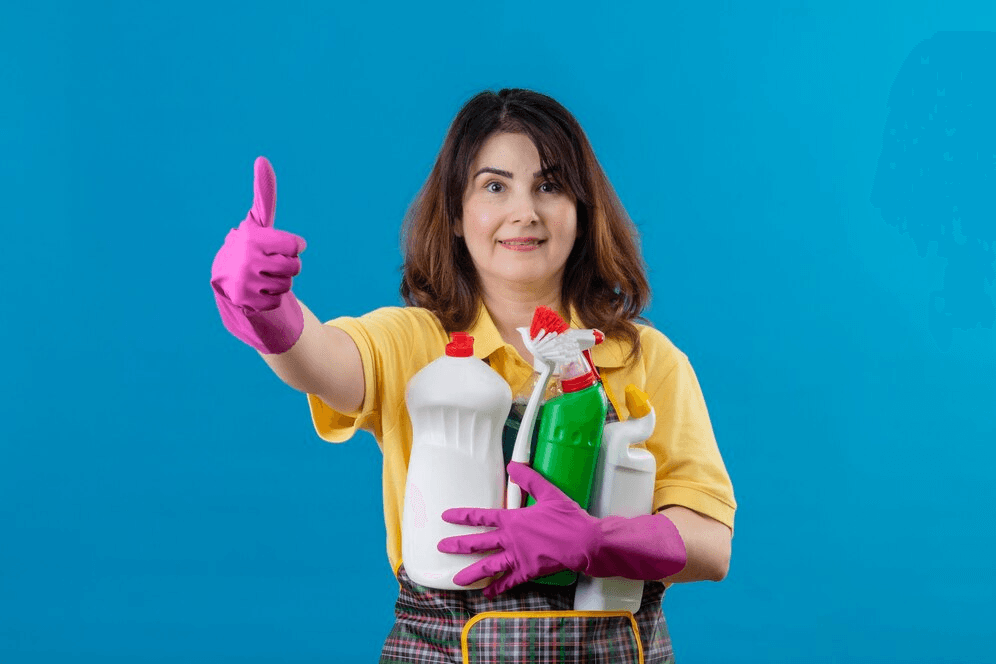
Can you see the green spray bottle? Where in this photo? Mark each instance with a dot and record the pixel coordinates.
(570, 435)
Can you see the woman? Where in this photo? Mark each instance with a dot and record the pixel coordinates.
(516, 214)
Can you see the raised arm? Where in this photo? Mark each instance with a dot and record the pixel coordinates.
(325, 362)
(251, 278)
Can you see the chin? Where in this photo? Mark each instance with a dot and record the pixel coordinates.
(533, 279)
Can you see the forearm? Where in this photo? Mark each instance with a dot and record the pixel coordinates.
(707, 546)
(301, 366)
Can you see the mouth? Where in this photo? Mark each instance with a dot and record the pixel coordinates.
(521, 242)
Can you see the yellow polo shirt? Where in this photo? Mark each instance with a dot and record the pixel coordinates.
(396, 342)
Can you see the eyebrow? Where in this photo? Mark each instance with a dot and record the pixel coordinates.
(497, 171)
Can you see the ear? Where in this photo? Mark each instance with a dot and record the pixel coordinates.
(456, 228)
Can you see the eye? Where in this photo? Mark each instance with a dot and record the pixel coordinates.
(553, 187)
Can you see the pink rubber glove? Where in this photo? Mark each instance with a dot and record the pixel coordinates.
(251, 274)
(556, 534)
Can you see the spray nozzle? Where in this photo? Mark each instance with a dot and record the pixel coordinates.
(580, 372)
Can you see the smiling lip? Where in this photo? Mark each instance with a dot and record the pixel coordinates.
(528, 243)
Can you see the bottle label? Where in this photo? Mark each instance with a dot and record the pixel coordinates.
(514, 420)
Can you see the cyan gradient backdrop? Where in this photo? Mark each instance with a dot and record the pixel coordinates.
(164, 497)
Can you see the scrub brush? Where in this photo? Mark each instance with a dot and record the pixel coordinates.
(550, 347)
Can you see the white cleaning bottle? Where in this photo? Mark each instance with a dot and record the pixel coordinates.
(624, 486)
(457, 405)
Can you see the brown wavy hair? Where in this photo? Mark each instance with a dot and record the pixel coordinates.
(605, 277)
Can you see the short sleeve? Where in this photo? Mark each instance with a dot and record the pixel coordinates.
(393, 343)
(690, 469)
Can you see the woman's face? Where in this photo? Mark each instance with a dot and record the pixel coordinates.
(519, 228)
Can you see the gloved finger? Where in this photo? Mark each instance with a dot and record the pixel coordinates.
(506, 582)
(270, 276)
(535, 484)
(482, 569)
(472, 516)
(264, 201)
(278, 266)
(283, 243)
(275, 286)
(272, 241)
(474, 543)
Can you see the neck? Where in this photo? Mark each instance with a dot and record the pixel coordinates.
(511, 308)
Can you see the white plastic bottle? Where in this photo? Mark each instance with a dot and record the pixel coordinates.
(624, 486)
(457, 405)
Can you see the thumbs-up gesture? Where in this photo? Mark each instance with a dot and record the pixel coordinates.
(252, 272)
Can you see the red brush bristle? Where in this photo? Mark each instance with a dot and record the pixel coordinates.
(546, 319)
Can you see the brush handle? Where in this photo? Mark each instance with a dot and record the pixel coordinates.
(523, 440)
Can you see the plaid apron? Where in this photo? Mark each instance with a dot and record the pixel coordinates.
(530, 623)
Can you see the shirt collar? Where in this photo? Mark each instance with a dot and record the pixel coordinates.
(609, 354)
(486, 337)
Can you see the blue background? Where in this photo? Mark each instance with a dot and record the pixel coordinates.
(164, 496)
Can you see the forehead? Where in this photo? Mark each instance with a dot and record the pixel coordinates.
(505, 148)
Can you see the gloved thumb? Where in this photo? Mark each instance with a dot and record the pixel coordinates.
(264, 185)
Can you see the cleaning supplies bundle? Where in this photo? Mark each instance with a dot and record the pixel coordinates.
(456, 458)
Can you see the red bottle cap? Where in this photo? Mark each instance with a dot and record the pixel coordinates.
(462, 345)
(579, 383)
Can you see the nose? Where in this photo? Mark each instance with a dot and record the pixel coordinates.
(523, 209)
